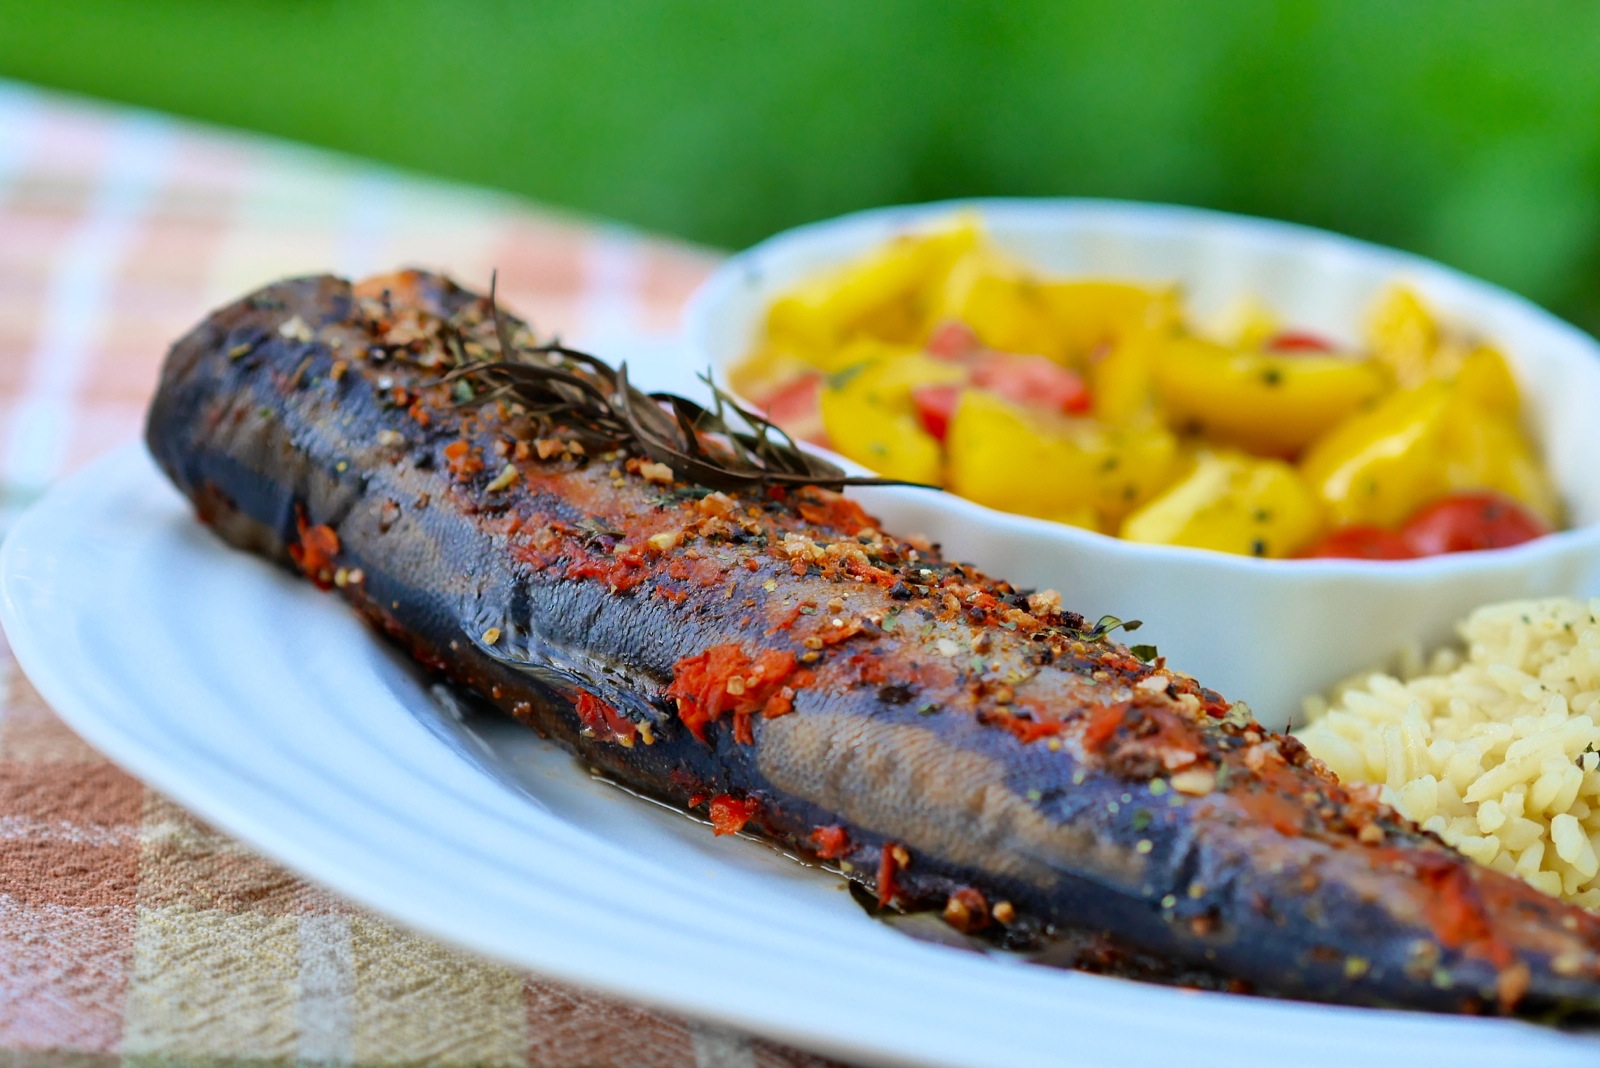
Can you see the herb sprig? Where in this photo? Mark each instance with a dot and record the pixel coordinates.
(725, 446)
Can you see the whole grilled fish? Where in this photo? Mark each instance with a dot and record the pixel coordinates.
(773, 658)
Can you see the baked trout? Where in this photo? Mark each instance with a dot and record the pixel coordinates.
(770, 657)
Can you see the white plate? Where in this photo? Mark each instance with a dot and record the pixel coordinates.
(269, 710)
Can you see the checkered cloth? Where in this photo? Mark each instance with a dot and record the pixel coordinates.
(128, 929)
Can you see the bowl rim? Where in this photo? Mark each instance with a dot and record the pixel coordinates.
(735, 272)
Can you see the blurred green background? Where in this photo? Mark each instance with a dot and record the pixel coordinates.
(1467, 130)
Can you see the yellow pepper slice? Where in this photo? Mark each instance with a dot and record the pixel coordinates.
(1000, 304)
(1234, 504)
(1011, 310)
(1253, 324)
(886, 374)
(1122, 382)
(1009, 458)
(768, 368)
(1485, 377)
(869, 416)
(1382, 465)
(1088, 315)
(1484, 449)
(1403, 335)
(1421, 444)
(883, 295)
(891, 443)
(1259, 401)
(1406, 338)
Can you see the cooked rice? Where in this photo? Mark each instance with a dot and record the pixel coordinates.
(1498, 753)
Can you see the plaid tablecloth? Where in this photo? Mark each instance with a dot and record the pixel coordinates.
(130, 931)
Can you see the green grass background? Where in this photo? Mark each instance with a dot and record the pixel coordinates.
(1465, 130)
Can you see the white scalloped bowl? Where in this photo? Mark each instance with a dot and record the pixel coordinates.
(1264, 631)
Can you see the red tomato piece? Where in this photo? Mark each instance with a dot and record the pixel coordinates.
(1467, 522)
(729, 814)
(1298, 341)
(832, 842)
(935, 405)
(1034, 380)
(1360, 543)
(795, 402)
(952, 340)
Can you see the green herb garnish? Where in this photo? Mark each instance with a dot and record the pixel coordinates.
(724, 446)
(1106, 624)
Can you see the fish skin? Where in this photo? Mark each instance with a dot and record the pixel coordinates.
(982, 739)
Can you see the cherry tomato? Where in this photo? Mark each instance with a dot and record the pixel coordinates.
(1470, 521)
(935, 405)
(1360, 543)
(1034, 380)
(1298, 341)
